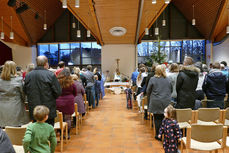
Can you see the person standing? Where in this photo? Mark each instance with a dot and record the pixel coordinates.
(12, 108)
(42, 88)
(187, 81)
(214, 87)
(160, 90)
(90, 88)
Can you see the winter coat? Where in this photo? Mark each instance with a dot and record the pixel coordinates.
(65, 102)
(42, 88)
(12, 108)
(173, 80)
(214, 85)
(160, 91)
(79, 97)
(187, 80)
(5, 144)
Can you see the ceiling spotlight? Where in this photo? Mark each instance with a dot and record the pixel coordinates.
(227, 30)
(154, 1)
(23, 7)
(88, 33)
(167, 1)
(11, 3)
(146, 31)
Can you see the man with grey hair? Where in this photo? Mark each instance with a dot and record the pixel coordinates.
(42, 88)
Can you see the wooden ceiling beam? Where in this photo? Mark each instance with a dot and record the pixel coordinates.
(152, 22)
(96, 22)
(219, 17)
(141, 4)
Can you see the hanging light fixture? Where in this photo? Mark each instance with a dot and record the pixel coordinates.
(193, 17)
(45, 24)
(77, 3)
(88, 31)
(154, 1)
(73, 23)
(2, 33)
(147, 31)
(11, 31)
(156, 29)
(167, 1)
(227, 29)
(78, 31)
(163, 20)
(64, 4)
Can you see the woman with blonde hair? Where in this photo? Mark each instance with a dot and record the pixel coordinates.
(12, 110)
(172, 76)
(65, 103)
(160, 91)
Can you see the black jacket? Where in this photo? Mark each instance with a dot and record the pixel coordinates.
(42, 88)
(214, 85)
(187, 81)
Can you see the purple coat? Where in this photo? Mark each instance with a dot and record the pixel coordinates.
(79, 98)
(65, 103)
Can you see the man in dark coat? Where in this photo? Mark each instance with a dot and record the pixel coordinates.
(42, 88)
(187, 81)
(214, 87)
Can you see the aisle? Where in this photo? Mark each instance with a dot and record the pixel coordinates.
(111, 128)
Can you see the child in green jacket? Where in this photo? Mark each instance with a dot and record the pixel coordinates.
(40, 136)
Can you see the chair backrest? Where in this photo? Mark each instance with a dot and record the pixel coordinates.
(85, 97)
(206, 133)
(76, 108)
(184, 115)
(16, 134)
(59, 118)
(227, 113)
(208, 114)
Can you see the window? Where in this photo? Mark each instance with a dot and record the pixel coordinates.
(175, 50)
(72, 53)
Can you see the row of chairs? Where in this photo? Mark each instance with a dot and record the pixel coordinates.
(16, 134)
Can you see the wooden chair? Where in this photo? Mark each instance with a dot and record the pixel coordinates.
(144, 106)
(76, 115)
(208, 116)
(184, 118)
(16, 135)
(85, 99)
(204, 138)
(151, 118)
(86, 104)
(61, 125)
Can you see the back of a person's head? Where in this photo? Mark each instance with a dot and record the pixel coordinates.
(222, 67)
(216, 65)
(30, 67)
(199, 66)
(61, 64)
(160, 71)
(174, 67)
(224, 63)
(89, 68)
(140, 66)
(65, 78)
(42, 61)
(171, 112)
(188, 61)
(40, 112)
(96, 77)
(9, 69)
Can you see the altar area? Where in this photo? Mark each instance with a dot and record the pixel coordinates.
(115, 87)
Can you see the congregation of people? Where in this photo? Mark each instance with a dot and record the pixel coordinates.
(46, 91)
(178, 86)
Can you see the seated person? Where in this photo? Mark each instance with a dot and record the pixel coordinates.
(40, 136)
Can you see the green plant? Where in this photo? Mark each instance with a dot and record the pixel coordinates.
(157, 56)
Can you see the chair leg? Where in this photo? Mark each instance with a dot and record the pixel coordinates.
(66, 133)
(182, 147)
(61, 140)
(77, 132)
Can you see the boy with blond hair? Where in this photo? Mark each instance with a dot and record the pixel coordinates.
(40, 136)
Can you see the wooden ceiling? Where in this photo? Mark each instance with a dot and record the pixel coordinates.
(99, 16)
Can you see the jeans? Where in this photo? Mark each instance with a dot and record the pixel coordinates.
(90, 91)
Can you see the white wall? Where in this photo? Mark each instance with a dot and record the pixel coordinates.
(22, 55)
(124, 52)
(221, 52)
(208, 52)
